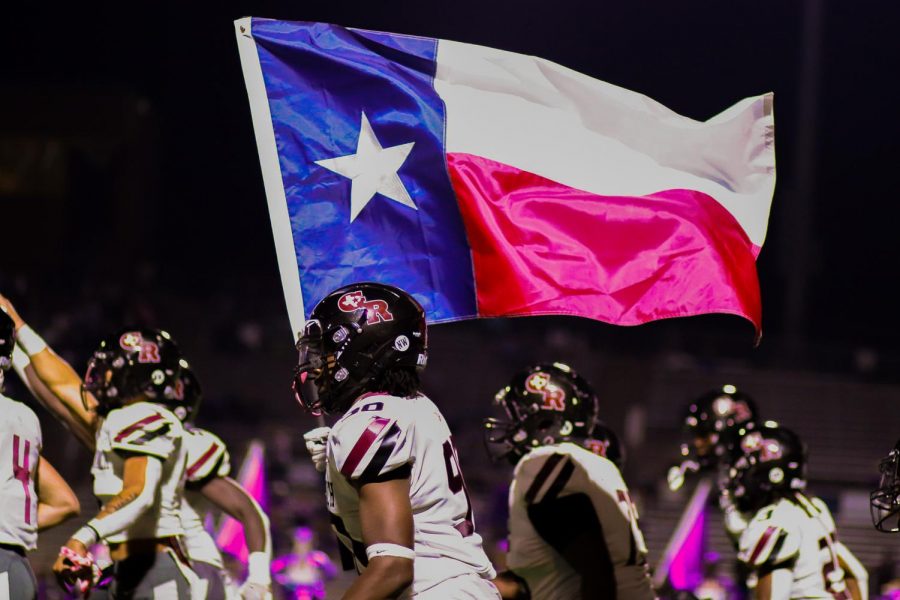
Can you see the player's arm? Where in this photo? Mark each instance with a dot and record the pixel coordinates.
(385, 515)
(856, 576)
(775, 585)
(770, 547)
(140, 480)
(56, 500)
(63, 383)
(571, 526)
(511, 586)
(228, 495)
(40, 391)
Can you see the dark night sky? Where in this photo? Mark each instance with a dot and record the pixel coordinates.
(695, 57)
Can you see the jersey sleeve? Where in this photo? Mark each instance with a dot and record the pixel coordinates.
(143, 428)
(770, 542)
(207, 456)
(372, 447)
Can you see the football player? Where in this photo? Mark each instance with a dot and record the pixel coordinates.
(885, 501)
(394, 486)
(714, 422)
(206, 471)
(33, 496)
(790, 544)
(573, 530)
(139, 458)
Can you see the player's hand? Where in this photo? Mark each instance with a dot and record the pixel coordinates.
(75, 569)
(511, 586)
(7, 307)
(675, 476)
(255, 591)
(316, 441)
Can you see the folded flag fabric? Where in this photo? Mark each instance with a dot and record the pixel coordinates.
(489, 183)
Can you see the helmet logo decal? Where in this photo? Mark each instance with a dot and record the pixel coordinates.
(132, 341)
(401, 343)
(768, 449)
(553, 397)
(376, 310)
(157, 377)
(598, 447)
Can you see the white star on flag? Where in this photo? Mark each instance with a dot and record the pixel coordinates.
(372, 170)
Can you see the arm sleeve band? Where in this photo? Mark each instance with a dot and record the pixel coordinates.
(376, 550)
(20, 360)
(30, 341)
(259, 568)
(128, 514)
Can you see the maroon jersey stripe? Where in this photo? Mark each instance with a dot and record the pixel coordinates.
(363, 444)
(541, 477)
(135, 426)
(763, 540)
(202, 460)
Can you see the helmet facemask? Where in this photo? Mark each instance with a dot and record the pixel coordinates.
(885, 501)
(310, 368)
(505, 438)
(99, 382)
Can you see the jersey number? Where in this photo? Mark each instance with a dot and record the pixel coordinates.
(23, 473)
(457, 484)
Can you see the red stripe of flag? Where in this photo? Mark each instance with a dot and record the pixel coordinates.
(763, 540)
(541, 247)
(200, 461)
(363, 444)
(135, 426)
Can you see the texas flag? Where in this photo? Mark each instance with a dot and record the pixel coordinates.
(489, 183)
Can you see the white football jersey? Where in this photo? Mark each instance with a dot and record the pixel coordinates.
(384, 435)
(566, 469)
(794, 534)
(20, 449)
(207, 457)
(142, 428)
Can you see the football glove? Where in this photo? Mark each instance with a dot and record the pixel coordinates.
(316, 442)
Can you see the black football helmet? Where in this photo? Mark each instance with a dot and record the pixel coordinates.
(188, 395)
(885, 501)
(714, 422)
(545, 404)
(7, 340)
(7, 343)
(606, 443)
(130, 363)
(770, 462)
(352, 336)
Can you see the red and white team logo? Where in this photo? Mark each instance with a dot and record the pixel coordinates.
(376, 310)
(598, 447)
(738, 409)
(553, 397)
(132, 341)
